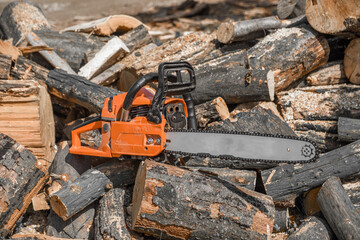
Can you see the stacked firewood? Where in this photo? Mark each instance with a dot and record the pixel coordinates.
(294, 75)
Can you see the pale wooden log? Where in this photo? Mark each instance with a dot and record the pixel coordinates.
(7, 48)
(352, 60)
(5, 66)
(109, 75)
(203, 207)
(286, 8)
(334, 17)
(107, 26)
(19, 18)
(313, 228)
(26, 115)
(91, 185)
(50, 56)
(304, 51)
(348, 129)
(328, 74)
(112, 51)
(338, 210)
(288, 181)
(229, 32)
(21, 178)
(241, 178)
(40, 202)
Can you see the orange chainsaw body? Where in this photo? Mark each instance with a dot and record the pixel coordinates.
(135, 137)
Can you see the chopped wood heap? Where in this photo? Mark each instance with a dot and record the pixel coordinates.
(294, 74)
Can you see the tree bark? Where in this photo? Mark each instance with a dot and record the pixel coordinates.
(352, 60)
(26, 115)
(288, 181)
(5, 66)
(287, 8)
(290, 53)
(91, 185)
(338, 210)
(330, 74)
(78, 90)
(15, 19)
(282, 219)
(21, 178)
(203, 207)
(313, 228)
(333, 17)
(348, 129)
(214, 110)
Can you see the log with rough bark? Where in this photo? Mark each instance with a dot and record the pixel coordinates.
(26, 69)
(263, 118)
(234, 83)
(214, 110)
(287, 8)
(282, 219)
(290, 53)
(334, 17)
(313, 227)
(329, 74)
(348, 129)
(352, 60)
(179, 204)
(286, 182)
(91, 185)
(338, 210)
(20, 18)
(241, 178)
(5, 66)
(21, 178)
(26, 115)
(78, 90)
(229, 32)
(110, 220)
(313, 111)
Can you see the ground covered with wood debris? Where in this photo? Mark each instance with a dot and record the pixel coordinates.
(287, 69)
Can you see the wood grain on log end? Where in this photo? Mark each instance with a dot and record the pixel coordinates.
(225, 32)
(352, 61)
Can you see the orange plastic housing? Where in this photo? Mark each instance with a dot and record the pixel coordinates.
(136, 137)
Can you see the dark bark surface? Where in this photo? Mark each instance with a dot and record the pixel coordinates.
(5, 66)
(348, 129)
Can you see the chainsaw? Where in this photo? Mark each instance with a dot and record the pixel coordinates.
(137, 123)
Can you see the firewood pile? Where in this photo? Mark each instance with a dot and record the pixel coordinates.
(272, 67)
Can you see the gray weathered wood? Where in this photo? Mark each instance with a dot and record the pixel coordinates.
(348, 129)
(328, 74)
(5, 66)
(338, 210)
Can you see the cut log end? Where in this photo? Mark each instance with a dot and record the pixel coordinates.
(58, 207)
(225, 32)
(352, 61)
(138, 193)
(271, 85)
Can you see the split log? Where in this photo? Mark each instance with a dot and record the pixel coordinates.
(91, 185)
(50, 56)
(73, 47)
(348, 129)
(234, 83)
(333, 17)
(263, 118)
(330, 74)
(113, 50)
(290, 53)
(287, 8)
(21, 178)
(338, 210)
(240, 178)
(229, 32)
(8, 49)
(288, 181)
(313, 227)
(26, 115)
(78, 90)
(203, 207)
(106, 26)
(282, 219)
(352, 60)
(211, 111)
(5, 67)
(110, 221)
(19, 18)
